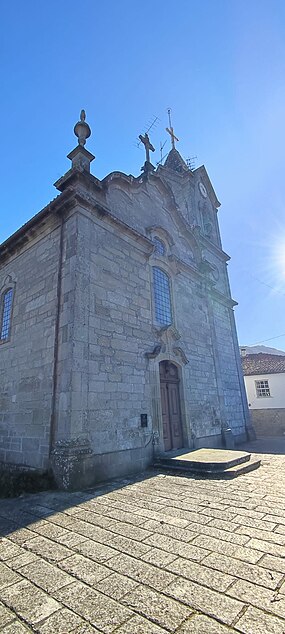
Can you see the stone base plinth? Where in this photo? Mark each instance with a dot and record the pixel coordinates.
(77, 468)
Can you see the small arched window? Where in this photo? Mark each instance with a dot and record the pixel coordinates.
(159, 246)
(6, 312)
(162, 297)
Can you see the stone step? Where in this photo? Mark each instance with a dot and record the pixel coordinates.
(202, 460)
(231, 472)
(239, 469)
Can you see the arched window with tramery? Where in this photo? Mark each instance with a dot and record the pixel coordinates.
(6, 314)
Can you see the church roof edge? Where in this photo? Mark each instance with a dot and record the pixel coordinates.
(210, 187)
(19, 234)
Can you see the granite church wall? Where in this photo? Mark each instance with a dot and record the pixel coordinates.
(200, 381)
(26, 360)
(102, 385)
(236, 410)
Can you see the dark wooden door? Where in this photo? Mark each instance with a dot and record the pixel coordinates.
(170, 406)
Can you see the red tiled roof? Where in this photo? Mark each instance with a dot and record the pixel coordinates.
(263, 363)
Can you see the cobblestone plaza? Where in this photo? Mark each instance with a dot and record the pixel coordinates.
(149, 555)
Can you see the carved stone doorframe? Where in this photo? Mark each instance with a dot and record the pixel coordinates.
(154, 362)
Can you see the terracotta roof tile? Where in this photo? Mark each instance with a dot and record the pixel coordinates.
(263, 363)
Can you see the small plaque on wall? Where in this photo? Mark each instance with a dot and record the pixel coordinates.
(143, 420)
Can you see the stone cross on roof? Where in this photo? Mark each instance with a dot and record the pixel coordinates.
(171, 131)
(147, 144)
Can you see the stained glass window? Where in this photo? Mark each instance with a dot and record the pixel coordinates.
(162, 299)
(159, 246)
(6, 314)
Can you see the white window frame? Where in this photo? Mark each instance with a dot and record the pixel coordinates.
(262, 388)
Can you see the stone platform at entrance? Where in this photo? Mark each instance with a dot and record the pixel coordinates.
(214, 462)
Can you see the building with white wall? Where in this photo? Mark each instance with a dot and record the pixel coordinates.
(264, 376)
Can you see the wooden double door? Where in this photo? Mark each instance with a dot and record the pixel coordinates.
(170, 406)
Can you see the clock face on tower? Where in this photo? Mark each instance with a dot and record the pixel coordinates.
(203, 189)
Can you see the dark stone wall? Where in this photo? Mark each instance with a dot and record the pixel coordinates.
(268, 422)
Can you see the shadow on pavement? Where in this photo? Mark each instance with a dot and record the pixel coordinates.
(265, 445)
(20, 512)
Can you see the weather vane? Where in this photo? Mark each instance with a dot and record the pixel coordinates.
(171, 131)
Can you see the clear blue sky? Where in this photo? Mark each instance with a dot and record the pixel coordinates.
(219, 64)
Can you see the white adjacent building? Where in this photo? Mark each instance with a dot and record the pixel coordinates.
(264, 376)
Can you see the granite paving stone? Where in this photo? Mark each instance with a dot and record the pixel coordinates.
(99, 610)
(84, 569)
(8, 549)
(30, 603)
(7, 576)
(91, 531)
(47, 548)
(205, 600)
(258, 622)
(6, 616)
(127, 530)
(183, 534)
(52, 531)
(70, 539)
(266, 547)
(209, 577)
(25, 558)
(175, 546)
(257, 574)
(139, 625)
(245, 553)
(243, 520)
(95, 551)
(116, 585)
(273, 563)
(85, 628)
(141, 571)
(61, 622)
(21, 535)
(61, 519)
(158, 557)
(129, 546)
(200, 624)
(266, 535)
(156, 607)
(269, 600)
(45, 575)
(148, 555)
(94, 517)
(16, 628)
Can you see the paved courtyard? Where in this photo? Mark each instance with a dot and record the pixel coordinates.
(149, 555)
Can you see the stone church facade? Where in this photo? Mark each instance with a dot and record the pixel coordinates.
(117, 336)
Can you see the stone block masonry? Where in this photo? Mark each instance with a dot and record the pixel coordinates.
(106, 365)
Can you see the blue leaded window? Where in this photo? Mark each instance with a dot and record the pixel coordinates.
(159, 246)
(162, 298)
(6, 314)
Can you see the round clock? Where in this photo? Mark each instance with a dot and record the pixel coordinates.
(203, 189)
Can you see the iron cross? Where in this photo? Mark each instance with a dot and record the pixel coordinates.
(147, 144)
(171, 131)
